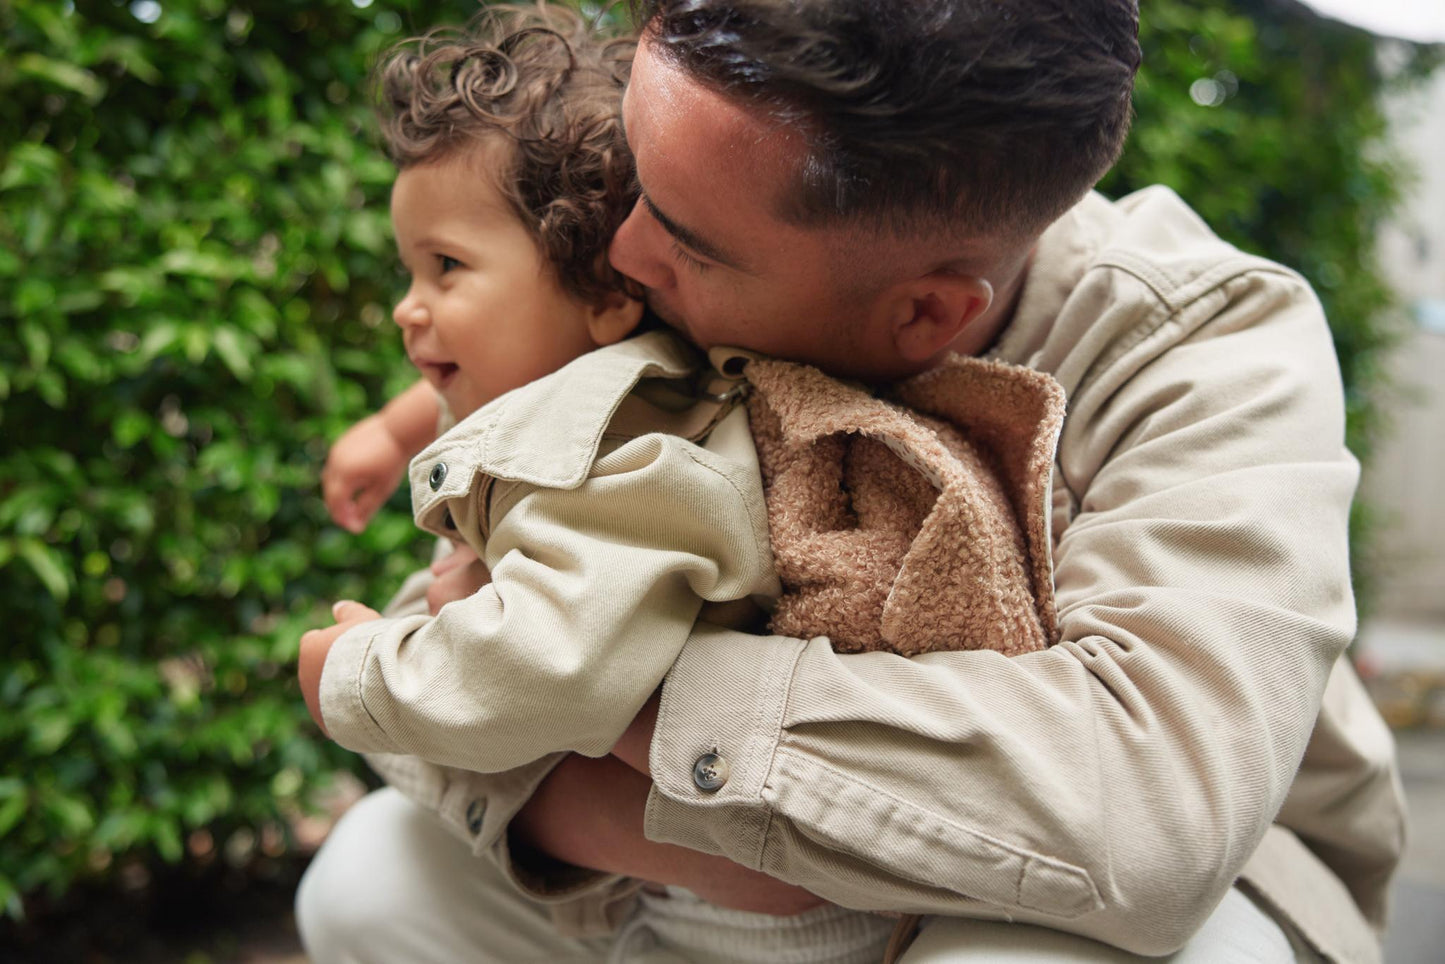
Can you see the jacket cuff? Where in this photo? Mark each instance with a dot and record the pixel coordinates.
(723, 698)
(582, 902)
(342, 679)
(545, 879)
(486, 803)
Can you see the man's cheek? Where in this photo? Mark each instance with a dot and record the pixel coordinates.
(663, 307)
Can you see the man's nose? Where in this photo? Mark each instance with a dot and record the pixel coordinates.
(639, 250)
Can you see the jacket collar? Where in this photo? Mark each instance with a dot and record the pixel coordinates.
(546, 433)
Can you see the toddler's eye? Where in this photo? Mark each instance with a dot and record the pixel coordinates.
(447, 262)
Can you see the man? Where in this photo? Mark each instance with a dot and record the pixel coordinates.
(868, 185)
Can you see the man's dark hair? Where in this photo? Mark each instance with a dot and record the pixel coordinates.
(972, 116)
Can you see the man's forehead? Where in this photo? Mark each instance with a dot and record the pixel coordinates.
(712, 164)
(660, 93)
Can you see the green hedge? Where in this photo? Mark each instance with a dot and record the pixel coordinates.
(195, 268)
(196, 272)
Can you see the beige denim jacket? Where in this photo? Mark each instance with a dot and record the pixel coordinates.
(1118, 783)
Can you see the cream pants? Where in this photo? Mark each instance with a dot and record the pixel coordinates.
(392, 886)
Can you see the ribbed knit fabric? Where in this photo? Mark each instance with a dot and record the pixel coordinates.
(703, 933)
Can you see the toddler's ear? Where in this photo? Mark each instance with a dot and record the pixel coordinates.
(613, 318)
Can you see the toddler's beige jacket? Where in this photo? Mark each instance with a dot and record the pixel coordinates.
(605, 538)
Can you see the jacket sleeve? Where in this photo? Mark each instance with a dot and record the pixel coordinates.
(594, 591)
(479, 807)
(1115, 784)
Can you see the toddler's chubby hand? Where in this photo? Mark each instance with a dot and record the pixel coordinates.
(458, 576)
(317, 643)
(362, 470)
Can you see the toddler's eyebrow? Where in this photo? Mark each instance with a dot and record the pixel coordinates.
(690, 239)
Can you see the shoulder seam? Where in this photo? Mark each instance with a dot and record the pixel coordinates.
(1174, 298)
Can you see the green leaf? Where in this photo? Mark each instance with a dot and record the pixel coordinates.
(129, 427)
(30, 165)
(103, 195)
(166, 835)
(49, 729)
(130, 53)
(158, 339)
(79, 361)
(61, 74)
(71, 813)
(120, 829)
(33, 295)
(39, 229)
(10, 898)
(48, 566)
(11, 810)
(79, 300)
(119, 736)
(51, 388)
(202, 264)
(131, 281)
(232, 351)
(195, 342)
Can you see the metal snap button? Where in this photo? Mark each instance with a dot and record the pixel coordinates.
(438, 475)
(710, 772)
(475, 811)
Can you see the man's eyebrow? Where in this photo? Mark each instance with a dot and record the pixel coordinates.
(690, 239)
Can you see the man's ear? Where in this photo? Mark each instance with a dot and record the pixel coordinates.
(927, 313)
(613, 318)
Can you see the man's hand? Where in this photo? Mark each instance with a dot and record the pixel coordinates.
(588, 812)
(362, 470)
(458, 576)
(317, 643)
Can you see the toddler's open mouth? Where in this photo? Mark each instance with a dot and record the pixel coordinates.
(437, 373)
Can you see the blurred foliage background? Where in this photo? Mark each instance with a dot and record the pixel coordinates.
(196, 271)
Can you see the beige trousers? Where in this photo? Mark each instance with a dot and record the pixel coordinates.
(392, 886)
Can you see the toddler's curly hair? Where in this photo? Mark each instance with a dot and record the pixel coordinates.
(547, 83)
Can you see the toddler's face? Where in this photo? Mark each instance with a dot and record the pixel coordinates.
(484, 313)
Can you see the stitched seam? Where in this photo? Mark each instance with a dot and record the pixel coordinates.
(360, 688)
(1174, 299)
(757, 523)
(1064, 866)
(903, 872)
(775, 729)
(501, 501)
(1196, 290)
